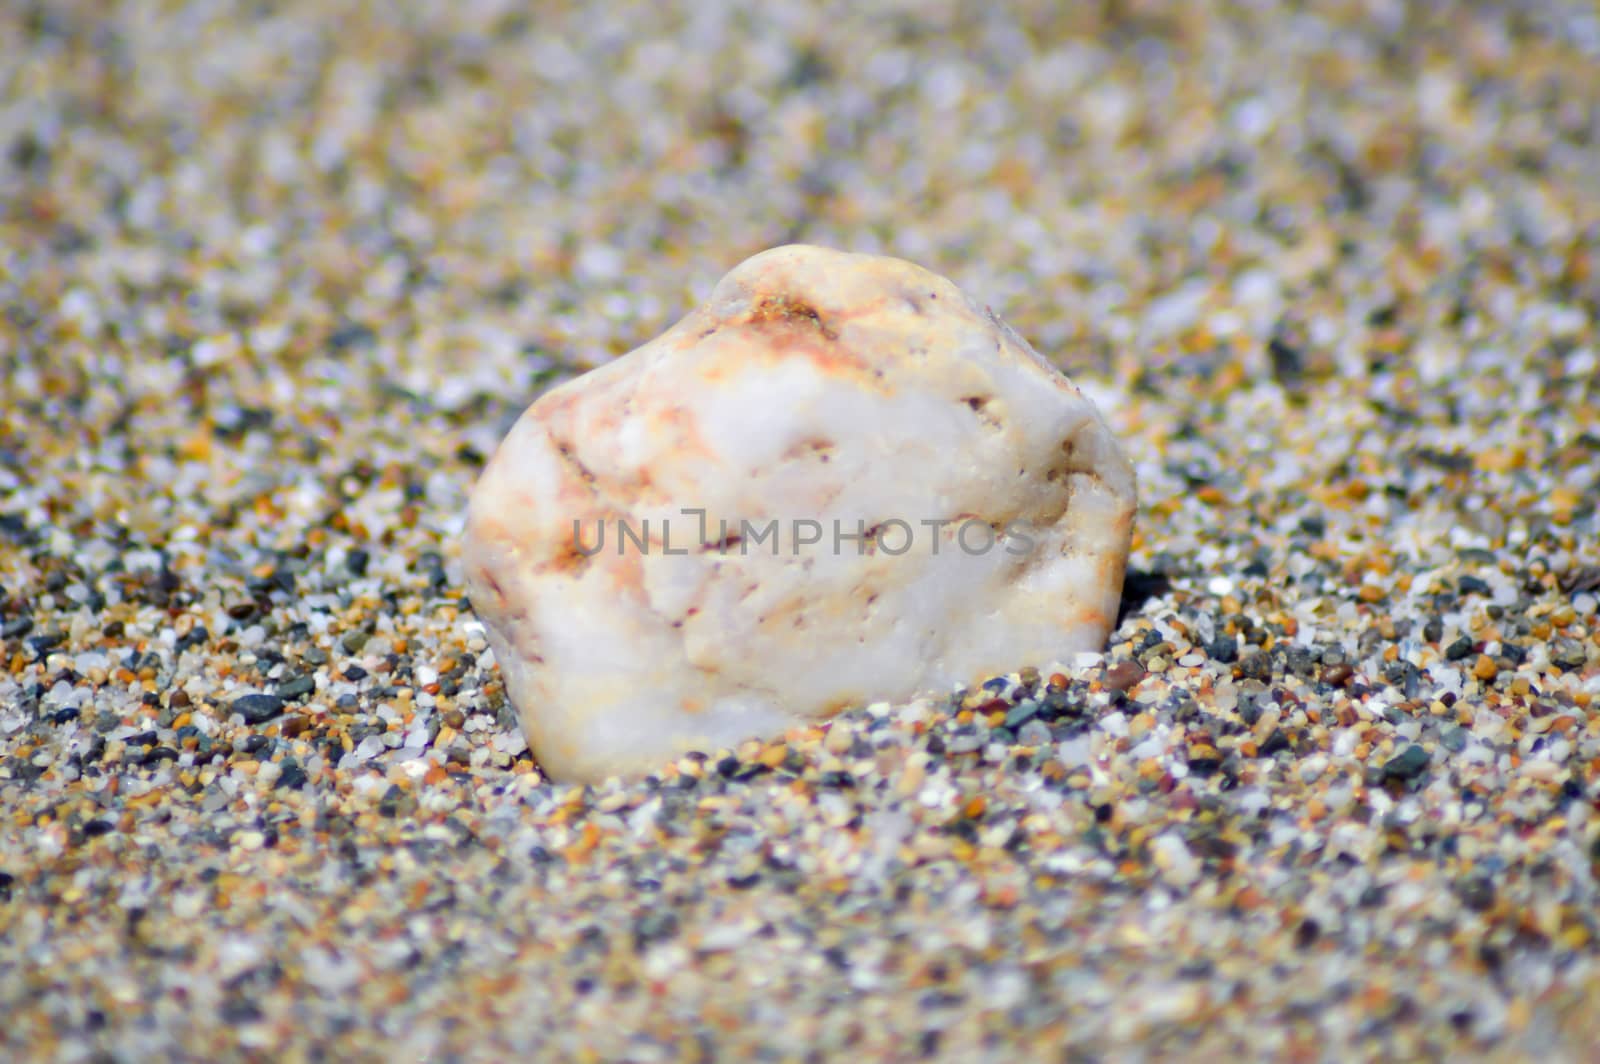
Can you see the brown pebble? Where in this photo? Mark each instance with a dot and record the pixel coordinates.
(1123, 675)
(1485, 668)
(1338, 675)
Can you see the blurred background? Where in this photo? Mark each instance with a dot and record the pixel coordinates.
(316, 211)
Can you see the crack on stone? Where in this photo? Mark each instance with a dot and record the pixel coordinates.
(1068, 466)
(1068, 483)
(821, 450)
(569, 560)
(494, 586)
(530, 641)
(869, 603)
(980, 405)
(789, 310)
(564, 449)
(723, 545)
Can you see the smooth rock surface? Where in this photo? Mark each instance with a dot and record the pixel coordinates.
(817, 395)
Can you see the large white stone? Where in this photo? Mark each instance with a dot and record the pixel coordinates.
(816, 395)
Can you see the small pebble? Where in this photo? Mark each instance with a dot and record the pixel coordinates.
(257, 709)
